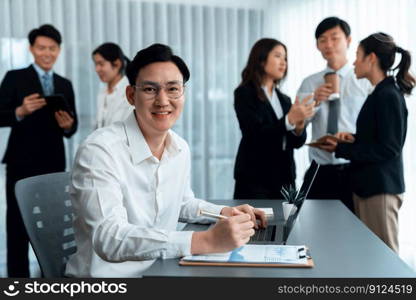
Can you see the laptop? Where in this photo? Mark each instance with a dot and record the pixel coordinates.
(279, 233)
(275, 233)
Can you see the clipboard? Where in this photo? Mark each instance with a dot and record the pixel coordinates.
(309, 264)
(211, 260)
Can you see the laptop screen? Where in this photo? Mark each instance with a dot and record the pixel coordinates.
(303, 193)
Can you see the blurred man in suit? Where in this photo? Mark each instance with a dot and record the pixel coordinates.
(35, 143)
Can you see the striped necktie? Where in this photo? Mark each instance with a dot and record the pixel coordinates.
(47, 84)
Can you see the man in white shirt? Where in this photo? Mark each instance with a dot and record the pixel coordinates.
(332, 40)
(131, 183)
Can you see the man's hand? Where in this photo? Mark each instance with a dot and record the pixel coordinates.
(323, 92)
(255, 214)
(30, 104)
(65, 121)
(225, 235)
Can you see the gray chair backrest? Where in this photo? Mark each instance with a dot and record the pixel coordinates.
(47, 213)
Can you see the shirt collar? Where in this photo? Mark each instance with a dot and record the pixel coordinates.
(172, 148)
(267, 93)
(341, 72)
(122, 83)
(139, 149)
(41, 71)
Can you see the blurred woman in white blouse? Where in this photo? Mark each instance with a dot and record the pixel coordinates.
(110, 64)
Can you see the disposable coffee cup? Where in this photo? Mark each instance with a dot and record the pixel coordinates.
(333, 79)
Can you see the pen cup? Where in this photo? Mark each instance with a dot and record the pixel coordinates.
(287, 208)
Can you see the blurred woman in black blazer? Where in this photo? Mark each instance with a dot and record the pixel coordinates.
(271, 126)
(376, 148)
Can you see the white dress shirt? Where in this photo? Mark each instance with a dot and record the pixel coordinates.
(278, 110)
(127, 203)
(113, 107)
(353, 93)
(277, 107)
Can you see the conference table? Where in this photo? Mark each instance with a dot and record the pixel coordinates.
(340, 245)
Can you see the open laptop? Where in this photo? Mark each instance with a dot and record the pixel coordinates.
(275, 233)
(279, 233)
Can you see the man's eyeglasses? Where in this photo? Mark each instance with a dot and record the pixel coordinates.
(173, 90)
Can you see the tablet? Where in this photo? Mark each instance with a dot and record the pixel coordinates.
(323, 141)
(57, 102)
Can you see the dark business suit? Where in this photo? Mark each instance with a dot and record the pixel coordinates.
(35, 147)
(376, 161)
(376, 154)
(264, 160)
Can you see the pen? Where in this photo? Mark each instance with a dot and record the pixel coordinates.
(210, 214)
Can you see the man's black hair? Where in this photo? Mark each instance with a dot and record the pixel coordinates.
(45, 30)
(330, 23)
(152, 54)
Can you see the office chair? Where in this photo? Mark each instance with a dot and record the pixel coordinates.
(47, 214)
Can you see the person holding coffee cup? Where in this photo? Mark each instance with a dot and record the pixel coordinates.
(339, 96)
(376, 151)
